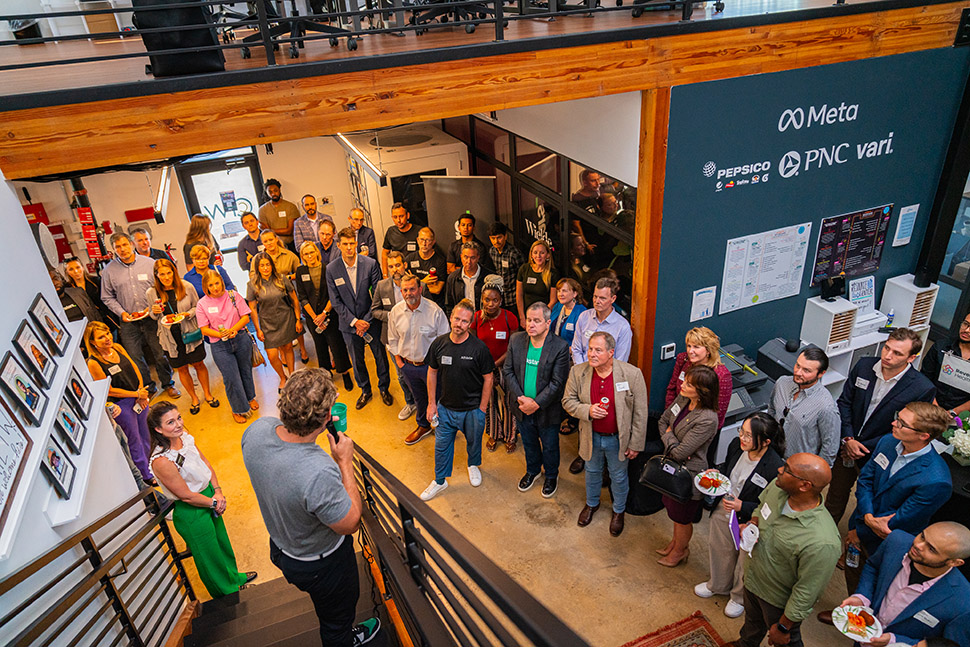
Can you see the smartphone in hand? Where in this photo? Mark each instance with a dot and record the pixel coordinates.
(333, 432)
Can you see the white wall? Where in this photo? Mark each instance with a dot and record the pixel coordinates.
(602, 132)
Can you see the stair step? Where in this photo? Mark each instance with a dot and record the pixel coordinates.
(249, 593)
(219, 615)
(272, 632)
(249, 625)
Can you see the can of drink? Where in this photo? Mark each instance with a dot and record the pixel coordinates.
(605, 402)
(434, 421)
(433, 273)
(364, 250)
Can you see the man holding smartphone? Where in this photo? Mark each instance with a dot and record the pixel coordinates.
(310, 503)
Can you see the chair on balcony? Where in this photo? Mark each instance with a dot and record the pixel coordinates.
(298, 26)
(445, 10)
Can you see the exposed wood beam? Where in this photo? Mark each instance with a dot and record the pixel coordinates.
(74, 137)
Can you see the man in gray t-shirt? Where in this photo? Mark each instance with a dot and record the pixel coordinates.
(310, 503)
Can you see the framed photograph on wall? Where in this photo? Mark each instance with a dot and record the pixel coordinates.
(70, 426)
(24, 389)
(14, 449)
(36, 353)
(58, 468)
(50, 324)
(79, 394)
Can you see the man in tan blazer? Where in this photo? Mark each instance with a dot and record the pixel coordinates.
(609, 397)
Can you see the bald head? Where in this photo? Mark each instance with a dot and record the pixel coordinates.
(950, 539)
(811, 469)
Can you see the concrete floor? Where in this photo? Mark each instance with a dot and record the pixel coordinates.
(609, 590)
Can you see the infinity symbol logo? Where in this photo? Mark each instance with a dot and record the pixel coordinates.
(794, 118)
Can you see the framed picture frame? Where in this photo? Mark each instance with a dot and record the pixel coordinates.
(70, 426)
(50, 324)
(15, 447)
(58, 468)
(79, 394)
(35, 353)
(23, 388)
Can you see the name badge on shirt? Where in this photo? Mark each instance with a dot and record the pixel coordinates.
(861, 383)
(338, 282)
(500, 334)
(412, 247)
(305, 277)
(675, 410)
(765, 511)
(142, 277)
(622, 386)
(281, 214)
(570, 326)
(446, 360)
(505, 262)
(882, 461)
(260, 248)
(114, 369)
(415, 263)
(212, 310)
(385, 301)
(531, 280)
(926, 618)
(424, 330)
(588, 334)
(759, 480)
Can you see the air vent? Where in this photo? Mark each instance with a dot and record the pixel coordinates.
(842, 327)
(923, 308)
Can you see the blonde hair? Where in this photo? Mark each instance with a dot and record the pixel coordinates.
(207, 276)
(198, 250)
(89, 330)
(705, 337)
(930, 418)
(308, 244)
(547, 270)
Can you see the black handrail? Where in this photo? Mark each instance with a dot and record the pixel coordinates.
(434, 597)
(48, 613)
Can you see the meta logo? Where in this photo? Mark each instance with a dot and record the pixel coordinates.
(709, 169)
(822, 115)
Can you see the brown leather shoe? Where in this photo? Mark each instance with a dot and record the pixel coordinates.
(616, 524)
(586, 515)
(417, 435)
(577, 466)
(825, 617)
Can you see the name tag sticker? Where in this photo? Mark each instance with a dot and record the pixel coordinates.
(759, 480)
(588, 334)
(675, 410)
(114, 369)
(861, 383)
(385, 301)
(424, 330)
(531, 280)
(882, 461)
(412, 247)
(500, 334)
(142, 277)
(927, 618)
(446, 360)
(505, 262)
(212, 310)
(415, 263)
(622, 386)
(670, 469)
(281, 214)
(260, 247)
(570, 326)
(305, 277)
(765, 511)
(681, 376)
(339, 282)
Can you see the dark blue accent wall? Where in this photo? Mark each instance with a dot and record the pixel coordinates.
(743, 121)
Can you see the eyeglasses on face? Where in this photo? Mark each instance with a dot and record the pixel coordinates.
(899, 421)
(786, 468)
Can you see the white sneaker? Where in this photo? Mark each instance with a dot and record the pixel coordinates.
(433, 490)
(702, 591)
(407, 412)
(733, 610)
(474, 475)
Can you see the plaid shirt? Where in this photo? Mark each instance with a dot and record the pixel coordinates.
(507, 264)
(304, 229)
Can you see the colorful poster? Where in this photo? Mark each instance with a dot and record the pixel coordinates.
(764, 267)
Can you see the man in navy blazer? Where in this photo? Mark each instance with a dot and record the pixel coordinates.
(875, 390)
(537, 396)
(366, 241)
(350, 280)
(913, 586)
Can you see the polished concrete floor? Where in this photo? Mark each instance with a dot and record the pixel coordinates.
(609, 590)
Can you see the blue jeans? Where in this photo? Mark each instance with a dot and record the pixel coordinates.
(234, 358)
(472, 424)
(541, 446)
(417, 380)
(356, 345)
(607, 448)
(405, 387)
(135, 336)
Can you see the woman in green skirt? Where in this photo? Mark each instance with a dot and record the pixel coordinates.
(187, 477)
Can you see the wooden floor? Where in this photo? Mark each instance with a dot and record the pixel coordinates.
(63, 77)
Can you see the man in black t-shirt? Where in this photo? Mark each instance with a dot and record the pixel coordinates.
(428, 264)
(402, 237)
(466, 366)
(466, 233)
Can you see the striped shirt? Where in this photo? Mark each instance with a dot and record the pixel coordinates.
(507, 263)
(812, 424)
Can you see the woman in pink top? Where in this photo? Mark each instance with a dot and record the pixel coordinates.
(222, 314)
(703, 349)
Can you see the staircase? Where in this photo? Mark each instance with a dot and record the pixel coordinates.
(277, 613)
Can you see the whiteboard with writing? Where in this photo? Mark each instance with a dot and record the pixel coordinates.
(764, 267)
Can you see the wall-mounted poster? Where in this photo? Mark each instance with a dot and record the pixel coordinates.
(80, 394)
(852, 243)
(58, 467)
(36, 353)
(26, 392)
(14, 449)
(70, 426)
(50, 324)
(763, 267)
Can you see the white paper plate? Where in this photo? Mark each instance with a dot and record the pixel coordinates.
(720, 490)
(840, 618)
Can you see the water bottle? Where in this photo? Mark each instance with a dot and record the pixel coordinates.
(434, 421)
(890, 317)
(852, 556)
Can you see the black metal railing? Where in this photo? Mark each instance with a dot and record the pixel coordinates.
(120, 580)
(446, 590)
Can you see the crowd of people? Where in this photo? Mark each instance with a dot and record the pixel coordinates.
(494, 344)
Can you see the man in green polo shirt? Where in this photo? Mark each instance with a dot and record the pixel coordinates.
(795, 556)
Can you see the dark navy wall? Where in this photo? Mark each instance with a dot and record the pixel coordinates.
(744, 121)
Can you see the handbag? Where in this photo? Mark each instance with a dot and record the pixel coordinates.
(187, 337)
(257, 359)
(669, 477)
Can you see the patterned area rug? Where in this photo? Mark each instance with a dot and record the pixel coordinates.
(693, 631)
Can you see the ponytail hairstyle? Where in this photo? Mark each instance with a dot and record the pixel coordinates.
(766, 430)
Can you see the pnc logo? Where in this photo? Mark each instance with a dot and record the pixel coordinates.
(794, 118)
(709, 169)
(789, 164)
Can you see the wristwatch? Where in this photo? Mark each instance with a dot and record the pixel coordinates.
(783, 629)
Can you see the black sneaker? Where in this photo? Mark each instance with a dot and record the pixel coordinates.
(550, 486)
(527, 481)
(348, 383)
(365, 631)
